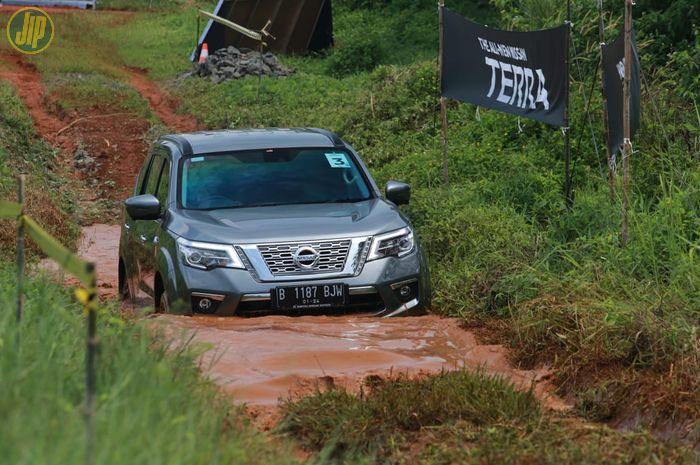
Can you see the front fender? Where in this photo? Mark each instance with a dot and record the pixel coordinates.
(166, 268)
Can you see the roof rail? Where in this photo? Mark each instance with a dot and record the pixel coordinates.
(180, 142)
(337, 141)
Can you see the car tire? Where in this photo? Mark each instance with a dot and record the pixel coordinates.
(163, 306)
(122, 284)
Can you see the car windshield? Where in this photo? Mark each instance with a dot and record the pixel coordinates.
(271, 177)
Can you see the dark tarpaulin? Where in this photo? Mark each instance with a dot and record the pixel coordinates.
(298, 27)
(613, 77)
(522, 73)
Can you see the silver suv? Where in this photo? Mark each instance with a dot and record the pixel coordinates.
(268, 221)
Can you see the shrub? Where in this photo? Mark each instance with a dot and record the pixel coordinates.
(359, 52)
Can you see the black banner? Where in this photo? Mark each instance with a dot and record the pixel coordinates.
(523, 73)
(613, 77)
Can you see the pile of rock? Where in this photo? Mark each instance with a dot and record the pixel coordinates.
(232, 63)
(83, 161)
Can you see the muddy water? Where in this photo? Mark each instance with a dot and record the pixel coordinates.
(99, 243)
(260, 360)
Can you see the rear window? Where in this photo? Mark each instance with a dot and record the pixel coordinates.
(271, 177)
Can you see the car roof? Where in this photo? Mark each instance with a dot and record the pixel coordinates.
(195, 143)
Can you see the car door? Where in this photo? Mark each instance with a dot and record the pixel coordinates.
(153, 229)
(129, 240)
(145, 231)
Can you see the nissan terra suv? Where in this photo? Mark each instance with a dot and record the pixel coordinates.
(286, 221)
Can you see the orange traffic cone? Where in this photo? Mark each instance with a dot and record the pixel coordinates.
(204, 54)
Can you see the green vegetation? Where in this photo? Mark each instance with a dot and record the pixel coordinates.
(80, 92)
(616, 323)
(459, 417)
(23, 152)
(153, 405)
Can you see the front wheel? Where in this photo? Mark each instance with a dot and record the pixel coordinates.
(163, 306)
(123, 285)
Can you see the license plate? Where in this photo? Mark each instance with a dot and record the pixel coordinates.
(310, 296)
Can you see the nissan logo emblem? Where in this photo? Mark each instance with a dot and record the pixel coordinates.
(305, 257)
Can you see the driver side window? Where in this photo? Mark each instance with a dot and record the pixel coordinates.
(151, 182)
(164, 186)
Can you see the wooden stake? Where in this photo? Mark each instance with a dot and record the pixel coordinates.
(20, 253)
(90, 371)
(443, 102)
(627, 146)
(611, 165)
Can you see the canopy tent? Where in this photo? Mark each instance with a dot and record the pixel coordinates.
(297, 27)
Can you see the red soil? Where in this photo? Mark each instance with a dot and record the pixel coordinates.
(115, 140)
(163, 105)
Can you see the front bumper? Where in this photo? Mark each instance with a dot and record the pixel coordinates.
(376, 290)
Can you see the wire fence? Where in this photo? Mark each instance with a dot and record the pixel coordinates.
(87, 295)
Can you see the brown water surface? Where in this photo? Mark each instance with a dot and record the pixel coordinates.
(260, 360)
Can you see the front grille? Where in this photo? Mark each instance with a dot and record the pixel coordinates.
(279, 257)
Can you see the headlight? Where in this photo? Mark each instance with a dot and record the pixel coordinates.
(393, 244)
(206, 256)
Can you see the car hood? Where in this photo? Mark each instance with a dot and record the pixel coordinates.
(287, 222)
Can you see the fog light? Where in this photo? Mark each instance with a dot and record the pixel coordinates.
(206, 303)
(406, 291)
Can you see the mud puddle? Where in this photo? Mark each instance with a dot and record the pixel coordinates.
(260, 360)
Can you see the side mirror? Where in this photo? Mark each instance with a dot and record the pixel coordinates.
(398, 192)
(143, 207)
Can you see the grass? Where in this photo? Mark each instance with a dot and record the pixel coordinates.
(153, 405)
(160, 42)
(83, 92)
(459, 417)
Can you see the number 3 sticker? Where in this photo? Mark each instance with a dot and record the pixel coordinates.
(338, 160)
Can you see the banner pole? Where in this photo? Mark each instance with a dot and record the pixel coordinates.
(627, 145)
(611, 161)
(443, 102)
(20, 253)
(567, 132)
